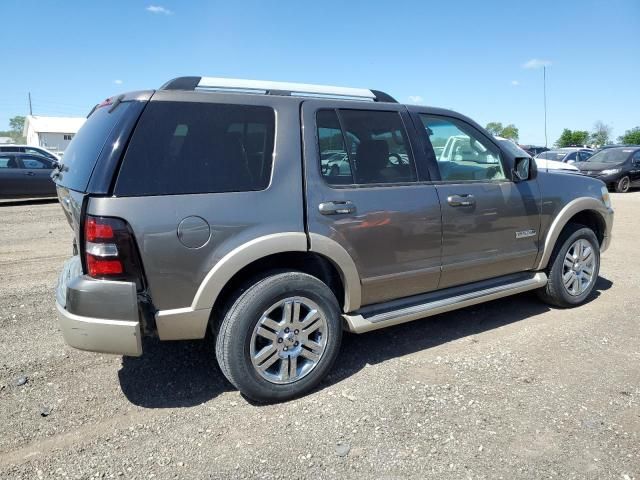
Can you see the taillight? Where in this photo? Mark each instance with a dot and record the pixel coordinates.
(110, 251)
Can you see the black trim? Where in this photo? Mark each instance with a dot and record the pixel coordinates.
(181, 83)
(383, 97)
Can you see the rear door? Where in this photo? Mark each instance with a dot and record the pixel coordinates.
(490, 224)
(38, 172)
(378, 204)
(12, 178)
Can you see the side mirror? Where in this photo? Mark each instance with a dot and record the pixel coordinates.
(522, 170)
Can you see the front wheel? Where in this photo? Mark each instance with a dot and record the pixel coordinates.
(573, 268)
(623, 185)
(280, 337)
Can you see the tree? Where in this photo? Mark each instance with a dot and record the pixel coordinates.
(631, 136)
(572, 138)
(17, 124)
(510, 131)
(494, 128)
(601, 133)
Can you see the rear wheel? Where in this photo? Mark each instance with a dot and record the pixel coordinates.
(280, 337)
(573, 268)
(623, 185)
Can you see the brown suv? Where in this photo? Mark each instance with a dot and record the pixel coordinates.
(276, 215)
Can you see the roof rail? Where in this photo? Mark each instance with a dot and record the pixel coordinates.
(275, 88)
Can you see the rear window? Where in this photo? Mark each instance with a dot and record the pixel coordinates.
(187, 147)
(82, 153)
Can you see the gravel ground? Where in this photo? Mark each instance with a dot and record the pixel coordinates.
(509, 389)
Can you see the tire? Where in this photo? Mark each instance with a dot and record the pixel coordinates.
(249, 338)
(623, 185)
(557, 292)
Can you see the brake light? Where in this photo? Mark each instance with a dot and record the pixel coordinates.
(94, 230)
(110, 251)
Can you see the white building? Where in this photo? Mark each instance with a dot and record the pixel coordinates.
(52, 133)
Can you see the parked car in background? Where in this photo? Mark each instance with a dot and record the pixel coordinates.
(533, 150)
(29, 149)
(617, 145)
(25, 175)
(618, 168)
(567, 155)
(190, 220)
(541, 163)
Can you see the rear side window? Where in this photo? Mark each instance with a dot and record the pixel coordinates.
(81, 155)
(364, 147)
(187, 147)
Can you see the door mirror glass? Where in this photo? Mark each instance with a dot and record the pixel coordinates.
(522, 170)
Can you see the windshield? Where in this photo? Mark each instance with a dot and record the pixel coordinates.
(551, 155)
(610, 156)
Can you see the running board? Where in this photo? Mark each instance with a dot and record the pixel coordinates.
(360, 323)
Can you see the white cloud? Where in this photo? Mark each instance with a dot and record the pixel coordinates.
(416, 99)
(159, 9)
(118, 82)
(515, 83)
(536, 63)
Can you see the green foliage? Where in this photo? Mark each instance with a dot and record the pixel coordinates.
(572, 138)
(510, 131)
(495, 128)
(631, 136)
(17, 124)
(601, 133)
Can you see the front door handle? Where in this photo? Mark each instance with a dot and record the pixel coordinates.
(463, 200)
(30, 174)
(337, 207)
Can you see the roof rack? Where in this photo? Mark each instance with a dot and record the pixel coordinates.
(275, 88)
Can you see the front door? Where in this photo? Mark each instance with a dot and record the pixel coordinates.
(490, 223)
(363, 191)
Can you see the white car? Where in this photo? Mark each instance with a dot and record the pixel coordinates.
(541, 163)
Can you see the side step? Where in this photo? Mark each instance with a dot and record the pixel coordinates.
(368, 319)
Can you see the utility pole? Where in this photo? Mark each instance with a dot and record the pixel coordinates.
(544, 89)
(30, 109)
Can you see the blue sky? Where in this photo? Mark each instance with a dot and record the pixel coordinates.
(464, 55)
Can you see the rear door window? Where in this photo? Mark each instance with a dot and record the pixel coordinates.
(188, 147)
(81, 155)
(364, 147)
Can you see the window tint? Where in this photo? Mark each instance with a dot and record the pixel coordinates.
(377, 149)
(636, 156)
(461, 153)
(34, 163)
(334, 160)
(81, 155)
(7, 162)
(185, 147)
(571, 156)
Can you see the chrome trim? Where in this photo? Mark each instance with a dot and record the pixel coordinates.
(359, 324)
(102, 249)
(264, 85)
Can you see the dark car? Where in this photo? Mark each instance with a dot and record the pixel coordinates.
(23, 175)
(28, 149)
(618, 167)
(533, 150)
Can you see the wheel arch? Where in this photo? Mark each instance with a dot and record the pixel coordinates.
(586, 211)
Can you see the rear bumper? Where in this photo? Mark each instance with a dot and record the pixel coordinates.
(98, 315)
(100, 334)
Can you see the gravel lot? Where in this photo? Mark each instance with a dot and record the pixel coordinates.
(509, 389)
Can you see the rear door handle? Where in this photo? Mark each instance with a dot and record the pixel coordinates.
(463, 200)
(337, 207)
